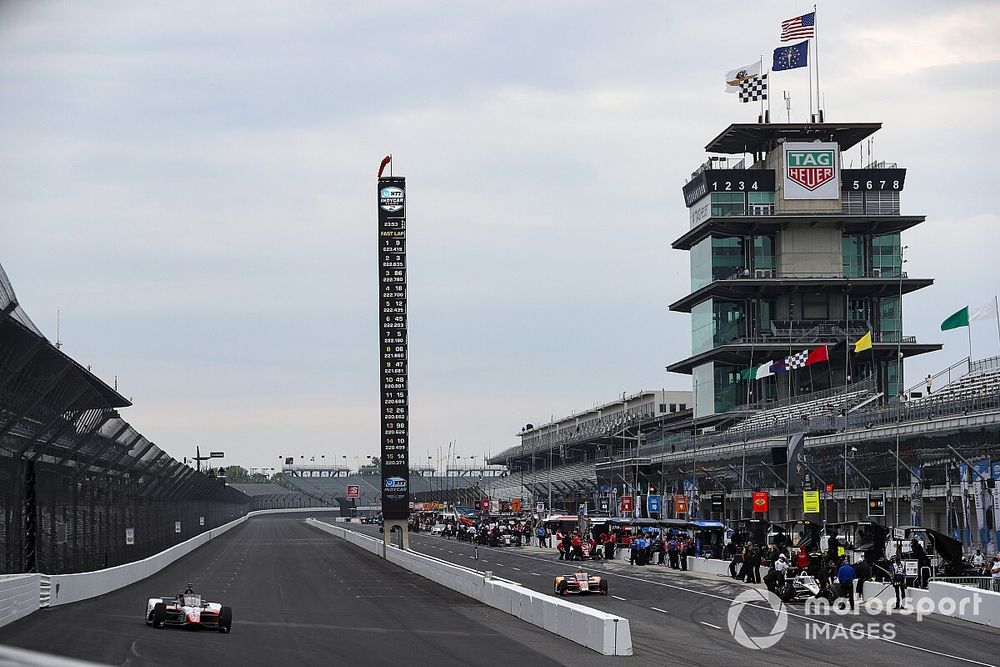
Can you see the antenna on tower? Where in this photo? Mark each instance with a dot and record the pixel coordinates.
(788, 106)
(58, 339)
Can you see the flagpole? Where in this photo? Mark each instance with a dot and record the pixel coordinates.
(760, 73)
(819, 108)
(968, 328)
(996, 311)
(810, 82)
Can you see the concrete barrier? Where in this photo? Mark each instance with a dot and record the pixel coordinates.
(605, 633)
(947, 599)
(709, 565)
(19, 596)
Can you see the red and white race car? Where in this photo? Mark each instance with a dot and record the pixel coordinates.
(580, 582)
(187, 609)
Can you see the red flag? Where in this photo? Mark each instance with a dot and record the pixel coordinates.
(818, 355)
(386, 160)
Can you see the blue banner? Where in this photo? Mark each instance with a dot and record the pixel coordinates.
(653, 504)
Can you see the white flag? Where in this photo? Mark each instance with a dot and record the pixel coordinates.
(764, 370)
(738, 75)
(987, 311)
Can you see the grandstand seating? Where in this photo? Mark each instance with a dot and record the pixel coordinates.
(823, 407)
(970, 385)
(259, 489)
(578, 476)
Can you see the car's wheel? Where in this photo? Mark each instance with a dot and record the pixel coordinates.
(159, 614)
(225, 619)
(562, 588)
(603, 586)
(787, 593)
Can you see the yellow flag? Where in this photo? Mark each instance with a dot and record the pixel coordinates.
(863, 343)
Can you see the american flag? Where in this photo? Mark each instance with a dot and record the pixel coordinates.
(799, 27)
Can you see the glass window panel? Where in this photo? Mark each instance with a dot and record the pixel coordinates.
(854, 255)
(763, 253)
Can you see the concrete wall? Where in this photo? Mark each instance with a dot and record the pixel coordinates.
(18, 596)
(601, 632)
(709, 565)
(969, 604)
(810, 251)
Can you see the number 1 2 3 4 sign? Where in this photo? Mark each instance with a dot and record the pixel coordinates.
(353, 491)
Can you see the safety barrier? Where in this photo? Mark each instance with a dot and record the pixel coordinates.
(947, 599)
(605, 633)
(18, 596)
(708, 565)
(24, 658)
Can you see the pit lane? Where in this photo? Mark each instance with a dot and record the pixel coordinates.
(682, 618)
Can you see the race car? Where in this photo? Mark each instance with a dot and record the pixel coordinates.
(187, 609)
(580, 582)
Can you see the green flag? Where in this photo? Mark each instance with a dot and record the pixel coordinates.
(749, 374)
(959, 319)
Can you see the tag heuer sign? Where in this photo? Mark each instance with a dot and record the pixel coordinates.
(391, 199)
(811, 171)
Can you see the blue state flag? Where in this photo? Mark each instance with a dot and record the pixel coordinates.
(791, 57)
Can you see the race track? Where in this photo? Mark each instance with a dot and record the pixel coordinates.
(299, 597)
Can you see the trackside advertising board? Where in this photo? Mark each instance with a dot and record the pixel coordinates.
(812, 170)
(395, 458)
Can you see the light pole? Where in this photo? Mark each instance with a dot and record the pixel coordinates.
(899, 374)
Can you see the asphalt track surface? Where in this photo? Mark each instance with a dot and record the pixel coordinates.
(299, 597)
(681, 618)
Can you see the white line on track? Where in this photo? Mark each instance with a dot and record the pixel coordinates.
(618, 598)
(516, 568)
(535, 574)
(710, 625)
(662, 611)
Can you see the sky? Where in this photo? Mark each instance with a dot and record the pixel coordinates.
(192, 187)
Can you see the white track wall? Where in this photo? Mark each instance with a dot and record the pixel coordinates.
(18, 596)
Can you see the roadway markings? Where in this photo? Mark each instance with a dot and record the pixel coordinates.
(516, 568)
(662, 611)
(711, 626)
(619, 598)
(535, 574)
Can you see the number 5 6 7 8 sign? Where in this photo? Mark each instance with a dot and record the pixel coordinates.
(353, 491)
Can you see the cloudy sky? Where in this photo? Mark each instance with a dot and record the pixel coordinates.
(192, 185)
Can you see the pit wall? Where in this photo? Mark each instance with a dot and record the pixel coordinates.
(605, 633)
(22, 594)
(969, 604)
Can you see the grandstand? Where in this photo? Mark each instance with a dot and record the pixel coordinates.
(983, 379)
(830, 404)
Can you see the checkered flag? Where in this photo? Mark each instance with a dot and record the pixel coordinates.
(797, 360)
(753, 89)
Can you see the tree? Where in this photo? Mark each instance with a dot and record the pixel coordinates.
(237, 474)
(376, 461)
